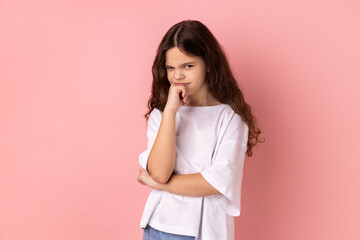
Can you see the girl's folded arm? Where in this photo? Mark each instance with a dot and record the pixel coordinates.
(192, 184)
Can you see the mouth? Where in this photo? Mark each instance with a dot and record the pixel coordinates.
(184, 84)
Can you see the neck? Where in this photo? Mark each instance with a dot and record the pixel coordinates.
(207, 100)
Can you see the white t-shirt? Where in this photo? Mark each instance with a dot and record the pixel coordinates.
(210, 140)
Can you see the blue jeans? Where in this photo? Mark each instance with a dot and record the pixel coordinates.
(154, 234)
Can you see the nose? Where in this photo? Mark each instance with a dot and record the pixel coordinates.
(178, 74)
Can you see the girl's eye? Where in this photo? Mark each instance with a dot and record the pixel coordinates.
(189, 66)
(168, 67)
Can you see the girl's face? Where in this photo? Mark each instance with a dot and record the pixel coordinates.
(186, 69)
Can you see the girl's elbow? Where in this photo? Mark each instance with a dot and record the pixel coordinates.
(160, 178)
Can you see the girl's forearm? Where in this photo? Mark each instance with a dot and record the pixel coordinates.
(189, 185)
(161, 160)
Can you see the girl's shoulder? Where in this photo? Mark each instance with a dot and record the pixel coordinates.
(155, 114)
(155, 117)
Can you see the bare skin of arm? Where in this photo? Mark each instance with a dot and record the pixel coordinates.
(161, 161)
(162, 156)
(181, 184)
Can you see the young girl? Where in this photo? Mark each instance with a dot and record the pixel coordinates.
(199, 129)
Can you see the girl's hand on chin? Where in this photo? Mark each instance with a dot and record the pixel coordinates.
(178, 96)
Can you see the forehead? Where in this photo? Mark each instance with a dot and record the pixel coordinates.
(174, 56)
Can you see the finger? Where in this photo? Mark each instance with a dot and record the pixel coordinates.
(179, 91)
(183, 92)
(140, 179)
(141, 182)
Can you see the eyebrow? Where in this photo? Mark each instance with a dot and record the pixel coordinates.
(187, 63)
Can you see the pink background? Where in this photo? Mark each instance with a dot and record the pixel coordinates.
(75, 77)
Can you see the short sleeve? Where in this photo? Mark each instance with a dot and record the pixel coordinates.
(225, 173)
(151, 132)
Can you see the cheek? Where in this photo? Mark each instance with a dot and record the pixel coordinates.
(169, 76)
(198, 78)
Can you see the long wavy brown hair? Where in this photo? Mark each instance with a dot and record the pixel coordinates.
(194, 38)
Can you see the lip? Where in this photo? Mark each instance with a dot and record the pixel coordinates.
(181, 83)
